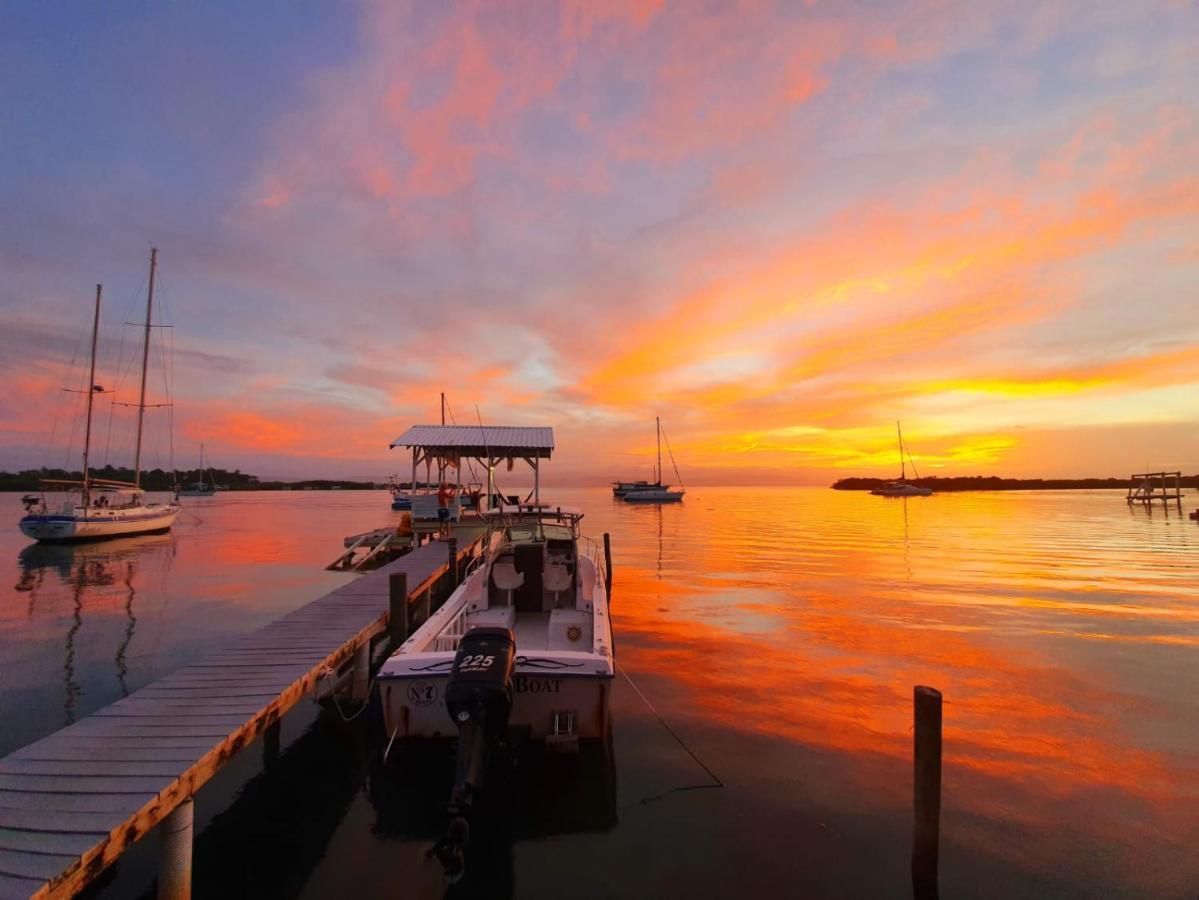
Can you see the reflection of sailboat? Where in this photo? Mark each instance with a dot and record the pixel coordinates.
(81, 568)
(199, 488)
(104, 508)
(902, 488)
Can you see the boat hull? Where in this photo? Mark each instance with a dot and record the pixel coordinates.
(414, 706)
(100, 525)
(653, 497)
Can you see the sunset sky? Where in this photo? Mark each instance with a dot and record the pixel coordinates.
(781, 227)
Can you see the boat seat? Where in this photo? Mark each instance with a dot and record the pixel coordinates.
(505, 577)
(557, 578)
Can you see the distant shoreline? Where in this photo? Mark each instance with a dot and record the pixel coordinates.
(994, 483)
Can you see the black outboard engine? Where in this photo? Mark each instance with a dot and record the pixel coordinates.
(479, 699)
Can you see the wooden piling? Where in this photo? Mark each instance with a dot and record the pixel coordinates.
(452, 543)
(175, 855)
(360, 681)
(608, 565)
(271, 744)
(927, 792)
(397, 620)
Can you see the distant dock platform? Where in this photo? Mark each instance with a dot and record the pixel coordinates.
(73, 802)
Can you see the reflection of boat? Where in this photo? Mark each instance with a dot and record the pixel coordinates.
(902, 488)
(656, 492)
(104, 508)
(82, 567)
(199, 487)
(534, 794)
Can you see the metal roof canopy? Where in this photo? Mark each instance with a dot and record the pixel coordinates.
(448, 444)
(479, 441)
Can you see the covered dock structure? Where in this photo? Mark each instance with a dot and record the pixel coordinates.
(443, 447)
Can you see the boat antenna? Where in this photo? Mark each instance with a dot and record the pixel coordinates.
(487, 450)
(141, 403)
(91, 393)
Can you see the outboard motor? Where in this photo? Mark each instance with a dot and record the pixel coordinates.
(479, 700)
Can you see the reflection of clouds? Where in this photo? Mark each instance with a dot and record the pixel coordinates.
(1061, 631)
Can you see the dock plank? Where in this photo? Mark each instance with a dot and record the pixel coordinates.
(68, 843)
(72, 802)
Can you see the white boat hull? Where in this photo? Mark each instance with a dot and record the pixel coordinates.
(414, 706)
(99, 524)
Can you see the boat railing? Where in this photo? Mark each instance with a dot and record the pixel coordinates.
(450, 636)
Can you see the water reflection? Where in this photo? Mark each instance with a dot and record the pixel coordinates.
(533, 795)
(90, 571)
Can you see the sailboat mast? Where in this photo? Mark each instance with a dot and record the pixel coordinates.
(658, 424)
(141, 403)
(903, 472)
(91, 392)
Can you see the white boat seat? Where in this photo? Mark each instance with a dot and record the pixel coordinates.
(505, 577)
(555, 580)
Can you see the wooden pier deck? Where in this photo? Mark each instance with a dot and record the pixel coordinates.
(73, 802)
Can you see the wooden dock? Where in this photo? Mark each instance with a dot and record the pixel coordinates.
(73, 802)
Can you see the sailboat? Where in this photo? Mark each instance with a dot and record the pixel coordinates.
(657, 492)
(199, 488)
(902, 488)
(102, 508)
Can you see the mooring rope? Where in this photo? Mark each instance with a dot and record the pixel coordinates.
(716, 780)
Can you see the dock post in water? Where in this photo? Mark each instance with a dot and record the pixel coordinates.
(608, 564)
(397, 619)
(452, 543)
(175, 856)
(362, 673)
(927, 795)
(270, 744)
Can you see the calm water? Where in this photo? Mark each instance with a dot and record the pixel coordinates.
(779, 632)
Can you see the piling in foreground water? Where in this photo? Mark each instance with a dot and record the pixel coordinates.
(927, 793)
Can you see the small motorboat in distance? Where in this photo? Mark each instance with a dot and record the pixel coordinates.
(620, 488)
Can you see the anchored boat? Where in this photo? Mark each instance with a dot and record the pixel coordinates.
(902, 488)
(643, 492)
(199, 487)
(101, 508)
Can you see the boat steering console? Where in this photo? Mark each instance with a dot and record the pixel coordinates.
(478, 697)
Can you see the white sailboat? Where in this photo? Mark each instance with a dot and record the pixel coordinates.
(902, 488)
(656, 492)
(199, 487)
(102, 508)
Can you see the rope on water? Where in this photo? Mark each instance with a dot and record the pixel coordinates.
(716, 780)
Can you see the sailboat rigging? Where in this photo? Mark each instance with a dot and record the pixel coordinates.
(105, 508)
(902, 488)
(642, 492)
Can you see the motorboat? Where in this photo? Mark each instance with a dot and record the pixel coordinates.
(902, 487)
(101, 508)
(539, 585)
(620, 488)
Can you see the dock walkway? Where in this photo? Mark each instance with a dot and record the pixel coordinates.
(73, 802)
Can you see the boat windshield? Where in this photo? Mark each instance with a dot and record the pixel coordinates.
(539, 531)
